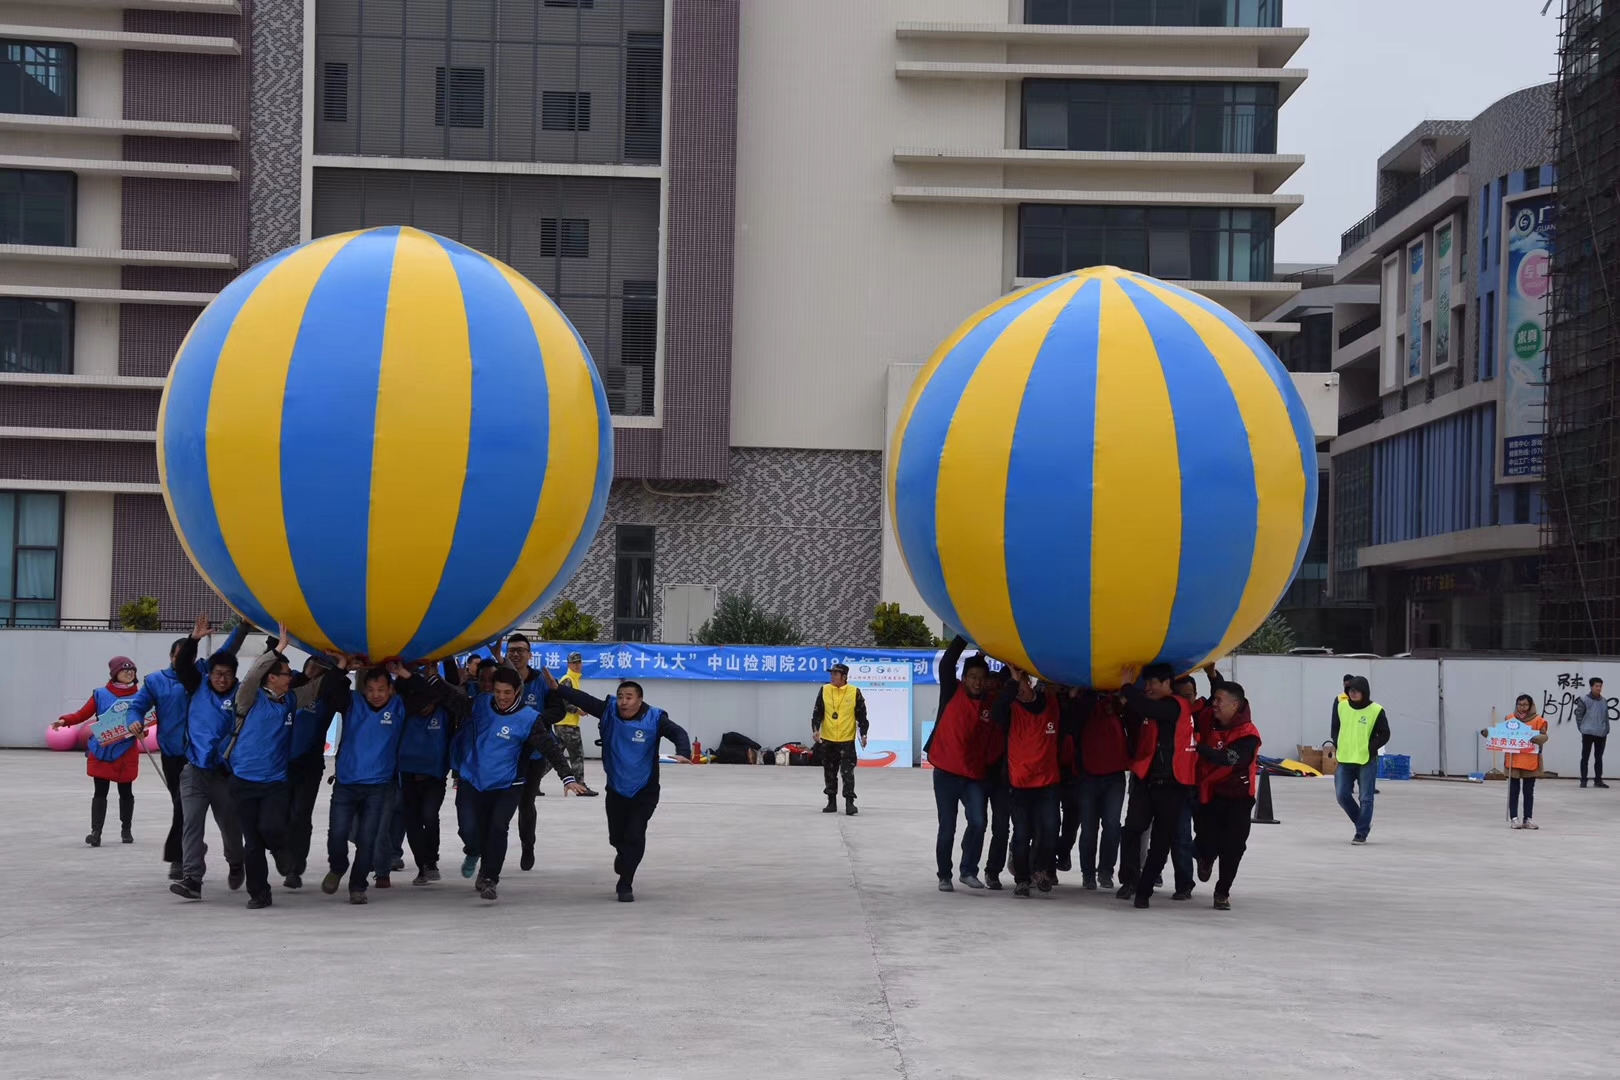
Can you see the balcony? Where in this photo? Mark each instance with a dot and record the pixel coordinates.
(1404, 196)
(1287, 79)
(1283, 205)
(107, 296)
(95, 125)
(1273, 46)
(113, 257)
(115, 40)
(1270, 171)
(1360, 418)
(1360, 328)
(159, 170)
(199, 7)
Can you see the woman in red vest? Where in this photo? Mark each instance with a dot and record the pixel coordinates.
(1228, 765)
(957, 753)
(1030, 718)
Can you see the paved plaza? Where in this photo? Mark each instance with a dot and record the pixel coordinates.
(770, 942)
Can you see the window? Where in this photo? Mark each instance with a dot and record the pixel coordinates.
(30, 557)
(643, 97)
(335, 91)
(1154, 12)
(1532, 178)
(633, 393)
(36, 336)
(458, 97)
(1167, 117)
(1201, 244)
(37, 78)
(568, 237)
(633, 583)
(565, 110)
(37, 207)
(1487, 337)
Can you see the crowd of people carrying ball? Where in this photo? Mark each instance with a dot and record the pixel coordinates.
(251, 752)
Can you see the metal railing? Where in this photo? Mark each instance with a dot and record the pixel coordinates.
(1360, 418)
(1404, 196)
(1360, 327)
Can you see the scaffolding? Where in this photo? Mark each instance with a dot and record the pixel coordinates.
(1580, 537)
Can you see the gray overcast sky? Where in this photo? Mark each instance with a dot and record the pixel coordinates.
(1378, 68)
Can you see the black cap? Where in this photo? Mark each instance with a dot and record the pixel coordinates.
(843, 668)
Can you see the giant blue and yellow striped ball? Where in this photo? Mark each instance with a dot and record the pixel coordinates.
(1103, 470)
(393, 444)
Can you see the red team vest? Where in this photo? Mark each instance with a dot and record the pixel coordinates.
(1032, 745)
(960, 738)
(1102, 742)
(1211, 776)
(1185, 763)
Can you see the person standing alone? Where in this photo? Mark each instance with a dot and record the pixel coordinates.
(840, 711)
(1524, 767)
(1360, 730)
(1592, 721)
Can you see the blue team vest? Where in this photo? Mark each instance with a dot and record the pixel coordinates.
(309, 728)
(632, 748)
(534, 697)
(164, 692)
(262, 747)
(109, 706)
(424, 749)
(368, 749)
(489, 747)
(209, 724)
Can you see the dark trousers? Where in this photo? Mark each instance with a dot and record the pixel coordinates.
(949, 791)
(1181, 852)
(390, 833)
(1034, 831)
(484, 820)
(1223, 835)
(1592, 746)
(1102, 803)
(357, 812)
(1155, 811)
(261, 809)
(172, 768)
(1068, 818)
(627, 819)
(528, 817)
(303, 786)
(838, 758)
(420, 798)
(98, 803)
(999, 794)
(1529, 783)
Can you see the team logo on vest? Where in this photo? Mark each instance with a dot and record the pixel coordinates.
(504, 733)
(984, 715)
(1051, 728)
(638, 736)
(119, 706)
(433, 723)
(387, 718)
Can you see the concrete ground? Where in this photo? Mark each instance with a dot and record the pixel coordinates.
(770, 940)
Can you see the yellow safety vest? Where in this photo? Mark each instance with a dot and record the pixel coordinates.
(571, 717)
(1355, 732)
(838, 713)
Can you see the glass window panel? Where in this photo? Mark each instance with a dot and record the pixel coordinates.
(1170, 254)
(1127, 249)
(39, 520)
(8, 531)
(1042, 252)
(1046, 117)
(43, 347)
(34, 615)
(1131, 118)
(36, 573)
(1133, 12)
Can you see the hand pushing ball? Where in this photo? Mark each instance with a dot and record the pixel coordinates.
(393, 444)
(1099, 470)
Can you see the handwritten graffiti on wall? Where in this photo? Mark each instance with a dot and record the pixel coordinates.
(1558, 706)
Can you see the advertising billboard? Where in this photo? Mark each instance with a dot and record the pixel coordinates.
(1528, 229)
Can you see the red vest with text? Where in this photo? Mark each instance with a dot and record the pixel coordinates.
(1032, 745)
(959, 743)
(1185, 762)
(1221, 779)
(1102, 741)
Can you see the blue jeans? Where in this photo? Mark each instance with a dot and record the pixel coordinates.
(390, 832)
(1366, 778)
(1181, 852)
(949, 790)
(357, 811)
(1102, 801)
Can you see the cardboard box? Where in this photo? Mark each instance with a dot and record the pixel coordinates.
(1310, 755)
(1330, 761)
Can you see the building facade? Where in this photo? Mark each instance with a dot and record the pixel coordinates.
(1436, 491)
(762, 218)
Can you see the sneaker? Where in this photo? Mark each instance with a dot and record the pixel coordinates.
(432, 873)
(1141, 902)
(256, 902)
(293, 881)
(187, 888)
(1181, 894)
(357, 897)
(1021, 889)
(93, 838)
(175, 872)
(1528, 824)
(469, 866)
(384, 882)
(1044, 882)
(527, 862)
(399, 864)
(1206, 867)
(1359, 839)
(628, 896)
(126, 836)
(330, 883)
(1158, 882)
(1222, 903)
(1125, 892)
(487, 892)
(1106, 882)
(1063, 863)
(945, 885)
(1513, 823)
(992, 882)
(591, 793)
(478, 885)
(971, 881)
(421, 878)
(235, 878)
(1089, 884)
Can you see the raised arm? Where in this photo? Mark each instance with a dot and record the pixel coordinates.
(247, 691)
(669, 729)
(332, 682)
(947, 668)
(1001, 711)
(454, 702)
(1164, 710)
(579, 699)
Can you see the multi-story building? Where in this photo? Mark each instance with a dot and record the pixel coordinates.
(762, 218)
(1436, 471)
